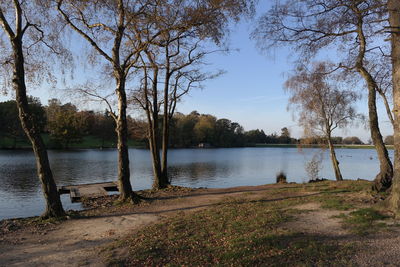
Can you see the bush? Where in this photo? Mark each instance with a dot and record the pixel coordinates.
(313, 167)
(281, 178)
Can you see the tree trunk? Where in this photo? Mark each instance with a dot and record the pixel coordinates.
(165, 135)
(154, 140)
(335, 162)
(155, 154)
(394, 19)
(383, 180)
(155, 151)
(125, 187)
(387, 106)
(53, 203)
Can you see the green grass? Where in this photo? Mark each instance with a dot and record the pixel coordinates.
(336, 204)
(365, 221)
(234, 233)
(248, 231)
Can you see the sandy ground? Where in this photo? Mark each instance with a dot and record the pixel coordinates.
(77, 242)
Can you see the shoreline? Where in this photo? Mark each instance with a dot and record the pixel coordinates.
(23, 148)
(175, 190)
(318, 215)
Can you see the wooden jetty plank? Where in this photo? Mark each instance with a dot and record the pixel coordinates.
(102, 184)
(88, 190)
(74, 195)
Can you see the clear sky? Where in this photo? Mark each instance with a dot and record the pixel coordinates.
(250, 92)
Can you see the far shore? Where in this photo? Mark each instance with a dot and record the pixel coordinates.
(318, 146)
(96, 145)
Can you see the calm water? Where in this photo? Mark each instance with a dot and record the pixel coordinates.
(20, 193)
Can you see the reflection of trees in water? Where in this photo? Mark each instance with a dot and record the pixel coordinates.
(284, 161)
(19, 179)
(84, 166)
(199, 171)
(68, 171)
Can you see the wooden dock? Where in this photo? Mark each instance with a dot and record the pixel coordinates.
(76, 192)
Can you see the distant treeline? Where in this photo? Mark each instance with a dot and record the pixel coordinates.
(205, 130)
(66, 125)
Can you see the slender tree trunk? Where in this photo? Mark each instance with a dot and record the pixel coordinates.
(387, 106)
(155, 154)
(53, 203)
(394, 19)
(155, 151)
(125, 187)
(165, 135)
(383, 180)
(335, 162)
(159, 182)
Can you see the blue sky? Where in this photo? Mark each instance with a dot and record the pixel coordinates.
(250, 92)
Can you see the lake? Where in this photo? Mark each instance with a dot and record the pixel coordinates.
(20, 192)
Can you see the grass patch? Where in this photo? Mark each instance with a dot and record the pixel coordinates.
(345, 195)
(243, 233)
(336, 204)
(365, 221)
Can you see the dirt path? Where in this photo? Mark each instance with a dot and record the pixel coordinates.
(380, 249)
(75, 242)
(317, 221)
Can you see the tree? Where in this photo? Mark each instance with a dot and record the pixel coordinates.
(107, 27)
(394, 30)
(183, 131)
(104, 128)
(137, 129)
(228, 133)
(204, 129)
(10, 125)
(352, 27)
(64, 123)
(21, 41)
(337, 140)
(322, 106)
(353, 140)
(285, 136)
(255, 137)
(172, 33)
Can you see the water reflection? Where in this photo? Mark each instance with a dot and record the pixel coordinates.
(20, 193)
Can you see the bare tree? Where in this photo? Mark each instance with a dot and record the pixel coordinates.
(171, 62)
(160, 105)
(353, 27)
(321, 105)
(394, 20)
(381, 71)
(106, 25)
(21, 42)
